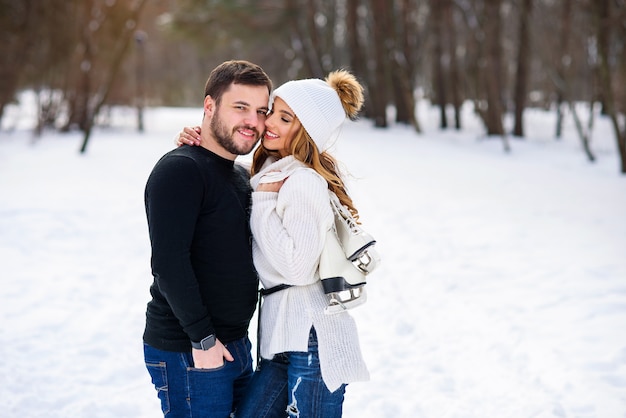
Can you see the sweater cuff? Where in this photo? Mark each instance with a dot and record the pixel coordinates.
(199, 330)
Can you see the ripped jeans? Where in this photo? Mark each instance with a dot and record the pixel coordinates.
(291, 385)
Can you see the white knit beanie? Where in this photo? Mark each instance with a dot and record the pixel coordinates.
(316, 105)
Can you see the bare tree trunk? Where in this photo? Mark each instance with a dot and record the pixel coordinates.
(562, 64)
(313, 41)
(408, 64)
(80, 90)
(397, 64)
(406, 91)
(438, 58)
(100, 98)
(395, 36)
(585, 136)
(21, 18)
(301, 39)
(493, 70)
(401, 64)
(329, 54)
(603, 28)
(455, 87)
(475, 52)
(523, 58)
(357, 58)
(86, 67)
(140, 75)
(403, 110)
(379, 89)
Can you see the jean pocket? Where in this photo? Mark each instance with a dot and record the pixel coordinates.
(158, 373)
(216, 369)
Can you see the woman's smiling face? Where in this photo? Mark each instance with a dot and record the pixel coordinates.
(281, 126)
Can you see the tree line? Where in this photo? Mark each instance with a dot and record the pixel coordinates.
(501, 56)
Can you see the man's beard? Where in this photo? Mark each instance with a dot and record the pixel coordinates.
(225, 138)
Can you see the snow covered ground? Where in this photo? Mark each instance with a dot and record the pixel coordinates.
(502, 291)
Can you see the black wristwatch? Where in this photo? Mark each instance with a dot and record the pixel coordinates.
(205, 344)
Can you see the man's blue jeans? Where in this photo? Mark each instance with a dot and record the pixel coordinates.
(291, 385)
(187, 392)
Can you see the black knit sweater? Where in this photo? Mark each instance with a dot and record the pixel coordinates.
(198, 208)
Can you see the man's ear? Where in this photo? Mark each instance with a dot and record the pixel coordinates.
(209, 106)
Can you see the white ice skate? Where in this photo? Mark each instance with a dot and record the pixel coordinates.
(348, 257)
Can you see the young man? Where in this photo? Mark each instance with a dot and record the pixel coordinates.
(205, 286)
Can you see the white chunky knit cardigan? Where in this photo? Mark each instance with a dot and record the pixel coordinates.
(289, 228)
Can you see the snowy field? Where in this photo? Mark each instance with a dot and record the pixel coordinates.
(502, 291)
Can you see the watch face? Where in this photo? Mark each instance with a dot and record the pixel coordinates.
(208, 342)
(205, 344)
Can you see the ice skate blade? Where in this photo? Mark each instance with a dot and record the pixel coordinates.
(337, 306)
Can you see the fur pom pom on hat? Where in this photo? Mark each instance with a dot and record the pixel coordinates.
(322, 106)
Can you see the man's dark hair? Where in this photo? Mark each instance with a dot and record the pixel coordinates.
(235, 72)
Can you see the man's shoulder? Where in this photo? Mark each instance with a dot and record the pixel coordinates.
(187, 155)
(176, 172)
(176, 159)
(185, 151)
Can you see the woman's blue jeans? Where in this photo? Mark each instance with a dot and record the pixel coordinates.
(291, 385)
(187, 392)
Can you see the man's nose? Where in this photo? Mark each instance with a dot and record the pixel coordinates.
(252, 119)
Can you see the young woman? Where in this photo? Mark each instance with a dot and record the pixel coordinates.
(307, 357)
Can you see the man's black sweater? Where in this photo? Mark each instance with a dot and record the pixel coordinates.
(198, 208)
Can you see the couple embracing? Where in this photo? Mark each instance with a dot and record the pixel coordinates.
(216, 228)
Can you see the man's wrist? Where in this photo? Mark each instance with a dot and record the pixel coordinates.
(205, 344)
